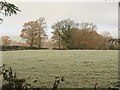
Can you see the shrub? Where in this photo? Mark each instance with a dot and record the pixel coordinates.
(11, 82)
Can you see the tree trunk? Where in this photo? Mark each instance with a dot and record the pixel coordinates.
(39, 42)
(59, 42)
(31, 43)
(39, 37)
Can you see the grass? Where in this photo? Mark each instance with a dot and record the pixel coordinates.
(81, 68)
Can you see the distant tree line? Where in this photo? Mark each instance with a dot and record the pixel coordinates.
(67, 34)
(71, 35)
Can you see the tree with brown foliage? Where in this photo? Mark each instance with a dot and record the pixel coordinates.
(33, 32)
(6, 40)
(68, 34)
(88, 32)
(79, 41)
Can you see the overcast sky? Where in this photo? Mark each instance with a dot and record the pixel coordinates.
(103, 14)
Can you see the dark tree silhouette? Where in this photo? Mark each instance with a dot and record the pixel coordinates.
(116, 41)
(119, 3)
(61, 31)
(8, 9)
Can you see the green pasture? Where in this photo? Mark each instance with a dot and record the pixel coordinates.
(80, 68)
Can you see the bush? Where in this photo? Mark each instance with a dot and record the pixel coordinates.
(11, 48)
(11, 82)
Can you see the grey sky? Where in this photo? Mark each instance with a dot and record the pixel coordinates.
(103, 14)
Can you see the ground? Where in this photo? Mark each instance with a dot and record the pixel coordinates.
(80, 68)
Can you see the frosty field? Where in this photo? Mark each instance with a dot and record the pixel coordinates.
(81, 68)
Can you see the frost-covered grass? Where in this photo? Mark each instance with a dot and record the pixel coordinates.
(81, 68)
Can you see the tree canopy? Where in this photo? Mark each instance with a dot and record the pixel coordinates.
(33, 32)
(62, 29)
